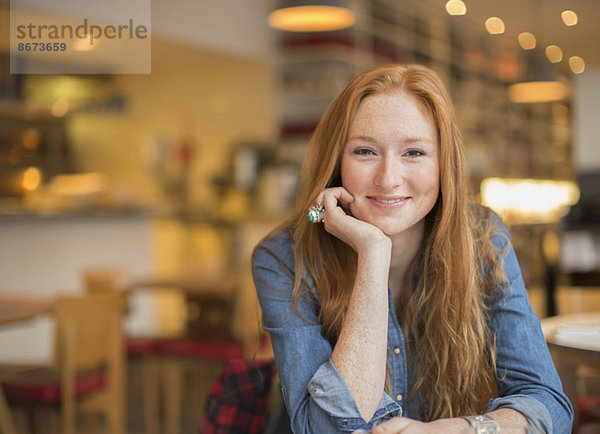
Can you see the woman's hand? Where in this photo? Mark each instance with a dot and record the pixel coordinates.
(359, 235)
(410, 426)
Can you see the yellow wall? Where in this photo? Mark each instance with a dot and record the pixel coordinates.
(212, 99)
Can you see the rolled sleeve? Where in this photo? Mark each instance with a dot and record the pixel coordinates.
(535, 412)
(314, 392)
(330, 392)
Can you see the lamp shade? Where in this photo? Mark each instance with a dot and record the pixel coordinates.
(541, 84)
(311, 16)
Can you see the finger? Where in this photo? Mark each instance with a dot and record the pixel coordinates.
(333, 205)
(340, 193)
(394, 425)
(333, 197)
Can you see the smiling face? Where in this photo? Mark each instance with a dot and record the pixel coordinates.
(390, 163)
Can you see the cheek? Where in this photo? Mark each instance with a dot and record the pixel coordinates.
(426, 183)
(435, 187)
(350, 177)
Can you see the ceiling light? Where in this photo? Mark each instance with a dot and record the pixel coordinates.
(537, 91)
(494, 26)
(576, 64)
(541, 84)
(569, 18)
(527, 41)
(554, 53)
(311, 16)
(456, 7)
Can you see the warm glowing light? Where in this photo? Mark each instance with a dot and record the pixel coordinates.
(554, 53)
(494, 26)
(60, 108)
(32, 178)
(311, 18)
(569, 18)
(31, 139)
(527, 41)
(537, 91)
(529, 200)
(78, 184)
(576, 64)
(456, 7)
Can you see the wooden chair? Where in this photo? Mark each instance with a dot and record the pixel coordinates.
(141, 350)
(89, 364)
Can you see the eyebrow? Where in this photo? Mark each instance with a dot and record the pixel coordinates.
(405, 140)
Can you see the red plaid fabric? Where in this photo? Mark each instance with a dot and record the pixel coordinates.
(237, 402)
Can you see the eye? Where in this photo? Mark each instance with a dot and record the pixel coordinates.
(363, 151)
(414, 153)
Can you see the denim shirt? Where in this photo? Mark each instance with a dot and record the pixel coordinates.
(315, 394)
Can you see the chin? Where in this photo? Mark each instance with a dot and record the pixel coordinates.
(389, 228)
(391, 231)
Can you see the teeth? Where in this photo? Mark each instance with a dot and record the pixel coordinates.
(388, 201)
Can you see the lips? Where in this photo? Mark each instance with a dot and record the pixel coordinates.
(388, 200)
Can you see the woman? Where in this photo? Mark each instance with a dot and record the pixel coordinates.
(406, 302)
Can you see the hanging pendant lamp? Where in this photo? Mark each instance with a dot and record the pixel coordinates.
(541, 84)
(311, 16)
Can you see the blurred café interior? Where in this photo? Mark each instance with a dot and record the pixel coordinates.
(152, 190)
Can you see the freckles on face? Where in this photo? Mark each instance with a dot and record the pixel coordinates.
(390, 162)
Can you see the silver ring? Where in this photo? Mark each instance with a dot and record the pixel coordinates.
(315, 213)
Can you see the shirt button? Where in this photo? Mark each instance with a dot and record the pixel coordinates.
(345, 422)
(396, 350)
(399, 398)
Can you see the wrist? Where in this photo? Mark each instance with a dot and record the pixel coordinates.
(483, 424)
(376, 257)
(376, 246)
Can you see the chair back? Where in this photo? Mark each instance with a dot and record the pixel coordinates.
(88, 337)
(107, 280)
(102, 279)
(88, 331)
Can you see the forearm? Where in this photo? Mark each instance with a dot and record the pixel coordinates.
(360, 352)
(509, 420)
(509, 417)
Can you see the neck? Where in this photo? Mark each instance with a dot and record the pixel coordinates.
(405, 247)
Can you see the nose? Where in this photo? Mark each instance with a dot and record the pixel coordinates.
(389, 173)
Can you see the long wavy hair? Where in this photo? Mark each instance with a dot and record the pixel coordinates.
(444, 312)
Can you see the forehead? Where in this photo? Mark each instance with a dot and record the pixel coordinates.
(397, 109)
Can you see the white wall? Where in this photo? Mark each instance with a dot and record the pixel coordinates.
(232, 26)
(586, 120)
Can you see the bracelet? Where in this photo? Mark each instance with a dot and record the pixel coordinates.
(483, 424)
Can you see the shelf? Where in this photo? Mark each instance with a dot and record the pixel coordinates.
(502, 138)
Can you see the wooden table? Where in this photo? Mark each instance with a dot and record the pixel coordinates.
(574, 341)
(17, 309)
(14, 310)
(188, 284)
(576, 336)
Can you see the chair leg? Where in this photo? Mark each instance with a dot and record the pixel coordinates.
(116, 408)
(151, 390)
(7, 424)
(173, 388)
(203, 374)
(67, 417)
